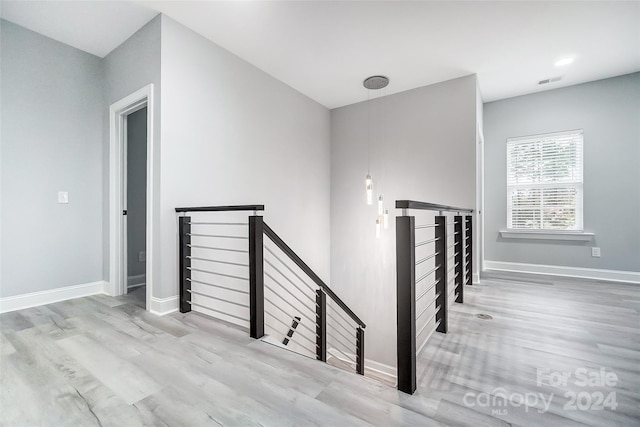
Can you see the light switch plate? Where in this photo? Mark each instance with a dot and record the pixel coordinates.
(63, 197)
(595, 252)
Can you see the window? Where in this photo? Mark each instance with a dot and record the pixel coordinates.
(544, 182)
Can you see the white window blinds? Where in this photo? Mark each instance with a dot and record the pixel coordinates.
(544, 182)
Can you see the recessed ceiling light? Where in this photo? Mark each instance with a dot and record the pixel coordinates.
(563, 62)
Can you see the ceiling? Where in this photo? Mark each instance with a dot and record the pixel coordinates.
(325, 49)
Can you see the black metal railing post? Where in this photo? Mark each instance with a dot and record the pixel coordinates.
(458, 259)
(441, 273)
(256, 277)
(321, 325)
(468, 245)
(360, 350)
(184, 249)
(406, 302)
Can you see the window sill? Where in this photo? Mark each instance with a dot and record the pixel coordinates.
(547, 235)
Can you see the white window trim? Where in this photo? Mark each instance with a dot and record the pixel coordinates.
(576, 234)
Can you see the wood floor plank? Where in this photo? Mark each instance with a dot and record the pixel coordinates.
(116, 373)
(105, 361)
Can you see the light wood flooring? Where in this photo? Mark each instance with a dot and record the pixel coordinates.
(101, 361)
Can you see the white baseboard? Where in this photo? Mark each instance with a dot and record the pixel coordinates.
(554, 270)
(137, 280)
(50, 296)
(369, 365)
(475, 278)
(162, 306)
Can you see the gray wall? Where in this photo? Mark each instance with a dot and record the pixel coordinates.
(609, 112)
(131, 66)
(51, 140)
(232, 134)
(430, 139)
(136, 192)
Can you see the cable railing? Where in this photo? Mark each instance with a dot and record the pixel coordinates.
(433, 264)
(229, 270)
(214, 262)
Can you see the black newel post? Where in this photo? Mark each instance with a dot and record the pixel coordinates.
(256, 277)
(469, 248)
(441, 273)
(184, 254)
(360, 350)
(458, 259)
(406, 303)
(321, 325)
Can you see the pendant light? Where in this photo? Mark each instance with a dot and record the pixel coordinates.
(371, 83)
(377, 228)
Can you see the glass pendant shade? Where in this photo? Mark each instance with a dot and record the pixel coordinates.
(385, 219)
(369, 188)
(380, 205)
(377, 228)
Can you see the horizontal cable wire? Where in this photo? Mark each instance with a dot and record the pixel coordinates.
(216, 273)
(221, 236)
(218, 286)
(428, 273)
(218, 223)
(218, 311)
(291, 305)
(219, 262)
(348, 322)
(427, 290)
(216, 298)
(426, 226)
(345, 355)
(298, 314)
(426, 258)
(335, 339)
(299, 333)
(424, 343)
(288, 268)
(343, 336)
(427, 241)
(426, 324)
(290, 293)
(337, 322)
(244, 251)
(287, 279)
(427, 307)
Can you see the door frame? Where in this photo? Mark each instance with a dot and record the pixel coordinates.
(117, 226)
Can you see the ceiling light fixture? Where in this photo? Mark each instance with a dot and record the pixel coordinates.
(563, 62)
(374, 83)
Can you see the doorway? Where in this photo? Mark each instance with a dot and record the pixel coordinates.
(135, 197)
(131, 198)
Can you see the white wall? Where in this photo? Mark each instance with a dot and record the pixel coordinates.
(609, 113)
(430, 155)
(232, 134)
(131, 66)
(51, 141)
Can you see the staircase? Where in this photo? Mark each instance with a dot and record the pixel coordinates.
(235, 267)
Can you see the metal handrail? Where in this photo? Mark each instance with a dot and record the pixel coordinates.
(412, 204)
(307, 270)
(222, 208)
